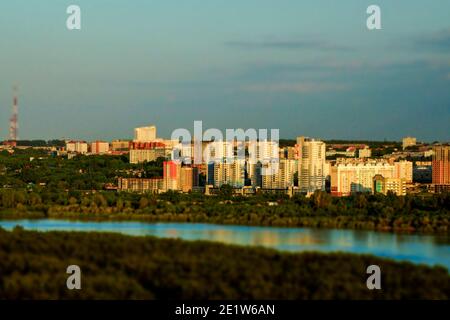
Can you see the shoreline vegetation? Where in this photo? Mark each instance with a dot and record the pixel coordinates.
(33, 266)
(409, 214)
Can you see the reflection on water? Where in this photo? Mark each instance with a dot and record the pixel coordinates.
(427, 249)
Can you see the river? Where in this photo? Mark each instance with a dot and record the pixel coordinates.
(416, 248)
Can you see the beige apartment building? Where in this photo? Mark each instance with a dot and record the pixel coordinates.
(404, 170)
(140, 185)
(349, 176)
(77, 147)
(387, 185)
(99, 147)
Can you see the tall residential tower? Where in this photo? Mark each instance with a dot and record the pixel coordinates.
(311, 164)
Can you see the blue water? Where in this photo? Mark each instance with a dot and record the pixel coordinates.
(426, 249)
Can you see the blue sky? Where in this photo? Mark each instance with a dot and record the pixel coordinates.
(306, 67)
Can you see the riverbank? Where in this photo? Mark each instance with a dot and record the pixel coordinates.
(428, 214)
(422, 224)
(33, 266)
(419, 249)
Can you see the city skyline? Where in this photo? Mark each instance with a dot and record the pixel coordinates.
(304, 68)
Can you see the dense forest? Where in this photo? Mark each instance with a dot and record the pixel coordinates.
(33, 266)
(36, 168)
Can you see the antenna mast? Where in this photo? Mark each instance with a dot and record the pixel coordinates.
(13, 121)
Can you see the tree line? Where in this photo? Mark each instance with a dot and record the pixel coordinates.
(362, 211)
(33, 266)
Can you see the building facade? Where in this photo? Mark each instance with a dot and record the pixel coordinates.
(385, 186)
(141, 152)
(283, 178)
(224, 172)
(188, 178)
(404, 170)
(441, 165)
(349, 177)
(145, 134)
(140, 185)
(120, 145)
(172, 175)
(99, 147)
(311, 165)
(77, 147)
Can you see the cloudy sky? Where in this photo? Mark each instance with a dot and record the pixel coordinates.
(306, 67)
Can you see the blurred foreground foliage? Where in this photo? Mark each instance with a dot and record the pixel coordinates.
(33, 266)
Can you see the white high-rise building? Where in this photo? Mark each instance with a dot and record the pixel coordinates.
(311, 164)
(145, 134)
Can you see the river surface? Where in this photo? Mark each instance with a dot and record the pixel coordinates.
(416, 248)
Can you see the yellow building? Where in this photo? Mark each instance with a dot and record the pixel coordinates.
(386, 185)
(404, 170)
(188, 178)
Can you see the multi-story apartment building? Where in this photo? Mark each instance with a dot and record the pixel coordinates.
(283, 178)
(146, 151)
(441, 165)
(254, 175)
(120, 145)
(224, 172)
(350, 176)
(188, 178)
(219, 151)
(145, 134)
(99, 147)
(404, 170)
(311, 164)
(141, 185)
(385, 185)
(77, 147)
(172, 175)
(288, 153)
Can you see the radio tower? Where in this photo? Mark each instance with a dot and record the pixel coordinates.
(13, 125)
